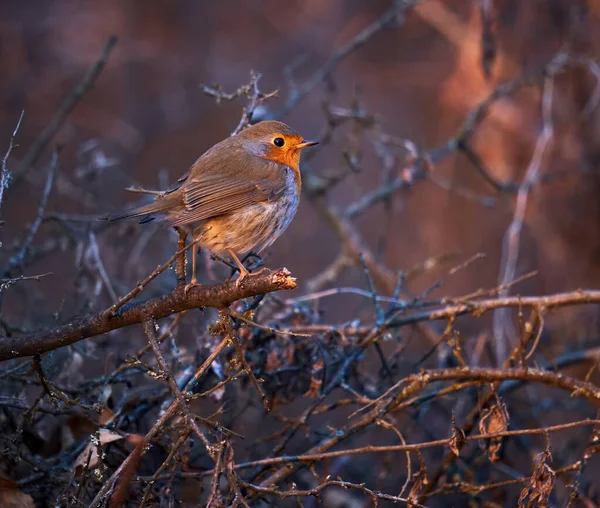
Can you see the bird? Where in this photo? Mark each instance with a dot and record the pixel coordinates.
(238, 197)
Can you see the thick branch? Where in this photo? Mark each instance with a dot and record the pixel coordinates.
(80, 328)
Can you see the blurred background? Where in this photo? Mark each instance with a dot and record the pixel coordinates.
(147, 119)
(402, 94)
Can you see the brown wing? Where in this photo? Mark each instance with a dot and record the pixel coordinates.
(218, 184)
(205, 198)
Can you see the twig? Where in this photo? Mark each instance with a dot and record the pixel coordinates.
(416, 382)
(109, 485)
(342, 290)
(510, 248)
(165, 372)
(6, 283)
(250, 90)
(142, 284)
(256, 99)
(374, 495)
(475, 307)
(405, 447)
(225, 321)
(297, 95)
(19, 259)
(267, 328)
(95, 251)
(4, 173)
(65, 108)
(180, 264)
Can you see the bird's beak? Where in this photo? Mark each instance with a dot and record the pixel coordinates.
(304, 144)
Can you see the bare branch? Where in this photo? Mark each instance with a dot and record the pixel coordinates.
(19, 259)
(177, 301)
(4, 173)
(37, 148)
(510, 249)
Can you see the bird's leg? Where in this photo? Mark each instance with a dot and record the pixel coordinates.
(182, 259)
(193, 281)
(243, 271)
(258, 261)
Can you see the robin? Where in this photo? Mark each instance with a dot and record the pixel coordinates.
(239, 196)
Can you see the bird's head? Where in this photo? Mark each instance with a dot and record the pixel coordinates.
(275, 141)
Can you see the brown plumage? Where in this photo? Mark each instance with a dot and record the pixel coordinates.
(238, 197)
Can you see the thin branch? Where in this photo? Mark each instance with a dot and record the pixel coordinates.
(250, 90)
(475, 307)
(510, 248)
(64, 110)
(158, 426)
(149, 326)
(4, 173)
(6, 283)
(226, 322)
(311, 457)
(139, 287)
(392, 15)
(19, 259)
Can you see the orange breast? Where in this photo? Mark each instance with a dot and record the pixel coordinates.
(289, 158)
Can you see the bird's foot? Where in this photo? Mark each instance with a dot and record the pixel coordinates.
(245, 273)
(193, 283)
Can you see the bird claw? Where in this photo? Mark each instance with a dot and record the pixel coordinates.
(246, 273)
(193, 283)
(243, 275)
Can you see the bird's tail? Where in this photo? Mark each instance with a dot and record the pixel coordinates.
(145, 211)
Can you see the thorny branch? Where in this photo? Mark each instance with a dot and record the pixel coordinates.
(250, 90)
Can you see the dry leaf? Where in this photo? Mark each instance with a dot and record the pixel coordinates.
(417, 488)
(541, 483)
(315, 382)
(420, 479)
(457, 439)
(80, 426)
(313, 389)
(103, 436)
(106, 416)
(493, 421)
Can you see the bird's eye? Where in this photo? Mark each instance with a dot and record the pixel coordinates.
(279, 142)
